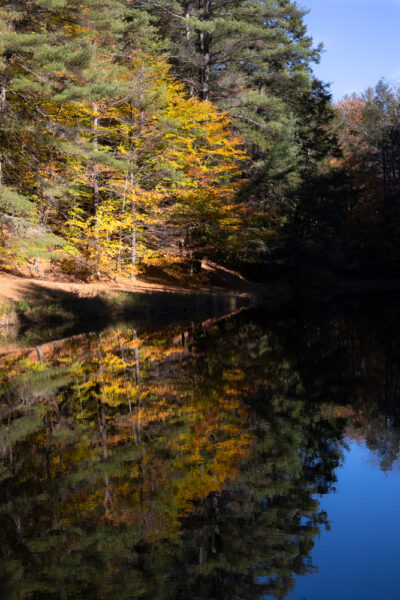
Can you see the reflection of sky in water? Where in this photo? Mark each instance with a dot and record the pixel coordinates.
(359, 558)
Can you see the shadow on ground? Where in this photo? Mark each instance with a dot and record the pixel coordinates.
(52, 314)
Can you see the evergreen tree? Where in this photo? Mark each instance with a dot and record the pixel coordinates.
(252, 58)
(35, 53)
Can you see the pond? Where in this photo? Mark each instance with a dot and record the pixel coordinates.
(247, 456)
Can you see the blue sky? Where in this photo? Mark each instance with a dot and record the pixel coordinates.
(361, 40)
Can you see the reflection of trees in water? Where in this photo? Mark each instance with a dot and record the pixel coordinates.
(350, 356)
(182, 465)
(377, 407)
(251, 538)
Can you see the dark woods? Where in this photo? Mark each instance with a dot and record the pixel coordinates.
(347, 219)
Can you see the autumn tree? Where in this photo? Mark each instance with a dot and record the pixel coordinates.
(168, 161)
(100, 144)
(253, 59)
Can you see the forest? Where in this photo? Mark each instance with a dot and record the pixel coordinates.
(188, 439)
(142, 133)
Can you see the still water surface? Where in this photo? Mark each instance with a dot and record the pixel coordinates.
(357, 558)
(238, 458)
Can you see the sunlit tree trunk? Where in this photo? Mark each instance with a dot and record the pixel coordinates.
(133, 232)
(96, 192)
(118, 262)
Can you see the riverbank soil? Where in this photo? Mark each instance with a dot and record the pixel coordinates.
(213, 278)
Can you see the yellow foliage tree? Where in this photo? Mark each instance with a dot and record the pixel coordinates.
(163, 162)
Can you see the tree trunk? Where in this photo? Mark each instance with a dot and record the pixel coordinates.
(205, 45)
(96, 193)
(188, 35)
(187, 26)
(3, 97)
(96, 196)
(36, 265)
(3, 90)
(133, 234)
(118, 262)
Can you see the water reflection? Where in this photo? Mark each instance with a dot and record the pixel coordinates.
(188, 463)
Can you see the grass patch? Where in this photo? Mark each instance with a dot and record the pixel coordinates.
(43, 312)
(6, 309)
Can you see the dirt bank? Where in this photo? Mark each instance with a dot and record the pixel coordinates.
(213, 278)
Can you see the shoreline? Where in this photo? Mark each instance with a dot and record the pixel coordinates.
(39, 311)
(33, 300)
